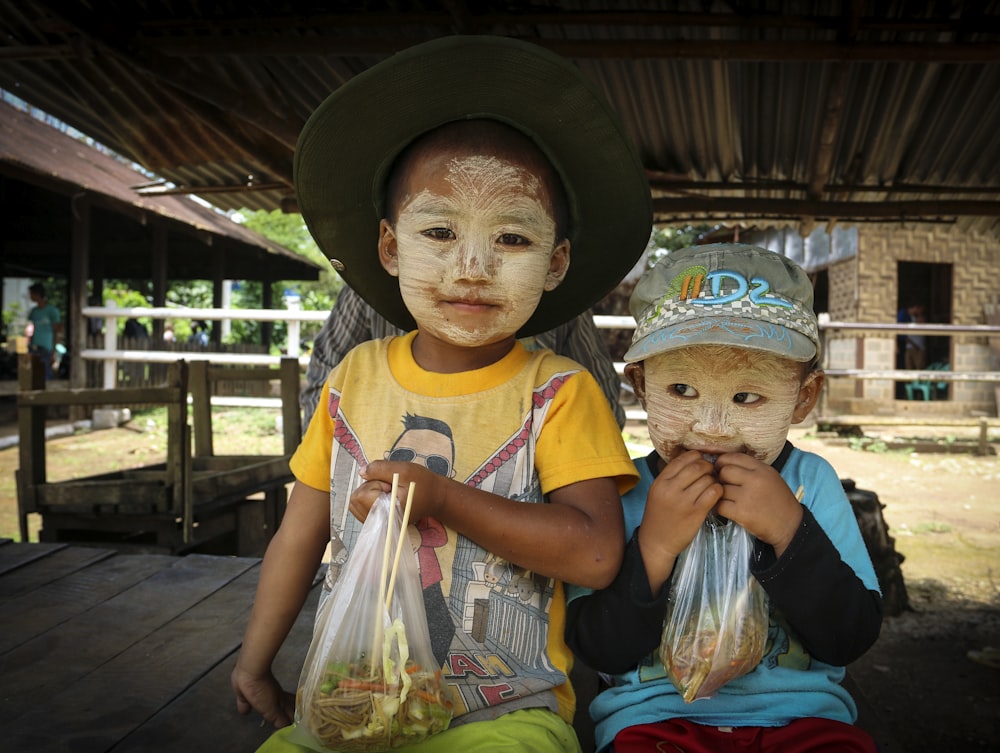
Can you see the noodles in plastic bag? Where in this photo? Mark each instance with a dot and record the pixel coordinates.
(717, 616)
(369, 682)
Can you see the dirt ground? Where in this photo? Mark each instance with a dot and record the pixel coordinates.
(941, 508)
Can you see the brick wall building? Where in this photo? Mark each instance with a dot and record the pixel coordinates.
(961, 281)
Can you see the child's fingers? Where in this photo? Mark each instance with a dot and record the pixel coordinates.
(689, 471)
(288, 709)
(681, 503)
(364, 497)
(687, 467)
(242, 705)
(738, 461)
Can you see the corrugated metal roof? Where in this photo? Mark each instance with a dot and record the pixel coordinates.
(34, 153)
(754, 111)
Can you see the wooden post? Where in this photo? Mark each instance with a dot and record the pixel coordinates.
(159, 276)
(266, 302)
(201, 408)
(76, 332)
(31, 440)
(178, 438)
(291, 415)
(110, 344)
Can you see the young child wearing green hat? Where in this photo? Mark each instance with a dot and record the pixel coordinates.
(724, 359)
(449, 185)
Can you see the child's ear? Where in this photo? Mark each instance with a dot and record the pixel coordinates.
(558, 265)
(387, 250)
(808, 395)
(636, 376)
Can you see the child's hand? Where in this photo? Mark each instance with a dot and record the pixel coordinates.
(756, 497)
(263, 695)
(427, 491)
(678, 502)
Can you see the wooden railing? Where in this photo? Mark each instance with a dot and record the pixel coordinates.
(111, 354)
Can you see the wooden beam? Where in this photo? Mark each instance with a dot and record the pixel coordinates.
(76, 332)
(91, 397)
(204, 27)
(161, 190)
(626, 49)
(887, 211)
(833, 113)
(670, 183)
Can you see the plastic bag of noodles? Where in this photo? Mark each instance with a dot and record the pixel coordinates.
(369, 682)
(717, 614)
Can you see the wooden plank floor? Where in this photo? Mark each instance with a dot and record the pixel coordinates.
(101, 651)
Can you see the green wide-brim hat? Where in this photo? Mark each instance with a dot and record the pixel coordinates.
(349, 143)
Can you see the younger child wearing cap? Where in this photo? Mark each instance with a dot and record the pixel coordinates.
(480, 191)
(724, 359)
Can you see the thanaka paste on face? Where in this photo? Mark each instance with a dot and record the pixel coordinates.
(710, 419)
(474, 288)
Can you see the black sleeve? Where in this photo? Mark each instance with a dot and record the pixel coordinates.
(611, 630)
(831, 611)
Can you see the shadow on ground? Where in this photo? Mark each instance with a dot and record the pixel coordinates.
(920, 678)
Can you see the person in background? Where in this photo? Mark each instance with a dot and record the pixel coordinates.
(199, 334)
(906, 315)
(352, 322)
(135, 330)
(916, 345)
(46, 327)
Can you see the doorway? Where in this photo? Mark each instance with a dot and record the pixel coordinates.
(924, 291)
(821, 291)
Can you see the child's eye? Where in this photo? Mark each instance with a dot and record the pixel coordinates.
(439, 234)
(684, 390)
(747, 398)
(513, 239)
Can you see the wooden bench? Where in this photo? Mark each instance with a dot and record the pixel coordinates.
(195, 501)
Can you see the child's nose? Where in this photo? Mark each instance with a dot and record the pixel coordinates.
(476, 261)
(713, 422)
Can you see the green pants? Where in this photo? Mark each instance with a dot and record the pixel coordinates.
(524, 731)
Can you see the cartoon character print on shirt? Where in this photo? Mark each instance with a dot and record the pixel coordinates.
(429, 442)
(783, 649)
(437, 454)
(488, 617)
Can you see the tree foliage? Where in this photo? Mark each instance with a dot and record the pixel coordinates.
(288, 229)
(291, 232)
(667, 239)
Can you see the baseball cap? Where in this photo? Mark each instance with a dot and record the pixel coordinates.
(730, 294)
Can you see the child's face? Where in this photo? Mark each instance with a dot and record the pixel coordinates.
(721, 399)
(474, 245)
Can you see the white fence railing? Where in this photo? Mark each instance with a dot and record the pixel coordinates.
(293, 316)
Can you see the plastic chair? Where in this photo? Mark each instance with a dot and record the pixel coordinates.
(940, 389)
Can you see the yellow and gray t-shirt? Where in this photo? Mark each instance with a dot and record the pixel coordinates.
(522, 427)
